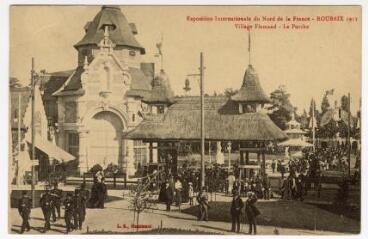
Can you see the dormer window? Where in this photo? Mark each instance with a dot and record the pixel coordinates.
(160, 109)
(247, 108)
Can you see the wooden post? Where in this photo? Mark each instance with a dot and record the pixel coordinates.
(242, 158)
(202, 119)
(263, 163)
(150, 152)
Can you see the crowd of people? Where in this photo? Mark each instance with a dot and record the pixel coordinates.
(50, 202)
(75, 204)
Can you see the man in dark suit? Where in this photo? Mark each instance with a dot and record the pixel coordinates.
(24, 209)
(251, 212)
(78, 210)
(235, 210)
(46, 203)
(69, 212)
(56, 195)
(85, 196)
(169, 196)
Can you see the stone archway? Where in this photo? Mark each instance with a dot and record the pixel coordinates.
(104, 139)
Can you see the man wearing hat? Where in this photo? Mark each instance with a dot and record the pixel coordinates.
(85, 196)
(202, 199)
(69, 211)
(251, 212)
(24, 209)
(235, 211)
(56, 195)
(169, 196)
(78, 210)
(46, 203)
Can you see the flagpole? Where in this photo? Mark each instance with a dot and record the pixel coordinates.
(162, 55)
(19, 122)
(313, 128)
(249, 49)
(202, 120)
(349, 144)
(33, 134)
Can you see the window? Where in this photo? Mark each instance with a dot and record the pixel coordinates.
(160, 109)
(73, 143)
(140, 152)
(70, 112)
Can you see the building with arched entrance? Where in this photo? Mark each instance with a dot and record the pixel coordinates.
(93, 105)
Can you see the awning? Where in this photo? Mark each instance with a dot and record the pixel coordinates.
(51, 150)
(295, 143)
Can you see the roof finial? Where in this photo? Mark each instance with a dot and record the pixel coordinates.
(160, 54)
(106, 42)
(249, 48)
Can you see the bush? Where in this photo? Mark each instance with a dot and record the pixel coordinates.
(112, 169)
(95, 169)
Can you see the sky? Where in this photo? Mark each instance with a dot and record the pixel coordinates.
(308, 62)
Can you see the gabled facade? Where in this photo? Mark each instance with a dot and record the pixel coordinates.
(102, 98)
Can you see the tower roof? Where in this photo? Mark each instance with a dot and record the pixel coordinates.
(121, 34)
(251, 90)
(161, 90)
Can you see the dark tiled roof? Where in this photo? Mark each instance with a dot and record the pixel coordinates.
(222, 122)
(251, 90)
(140, 81)
(122, 35)
(52, 82)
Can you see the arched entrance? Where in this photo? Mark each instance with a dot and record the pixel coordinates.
(105, 144)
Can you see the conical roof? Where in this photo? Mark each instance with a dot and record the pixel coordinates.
(251, 90)
(161, 91)
(121, 34)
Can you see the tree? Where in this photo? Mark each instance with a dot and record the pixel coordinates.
(344, 103)
(14, 83)
(325, 104)
(304, 120)
(281, 107)
(230, 92)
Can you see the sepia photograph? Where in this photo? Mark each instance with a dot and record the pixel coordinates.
(189, 120)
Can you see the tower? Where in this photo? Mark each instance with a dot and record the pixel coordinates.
(250, 97)
(161, 96)
(122, 34)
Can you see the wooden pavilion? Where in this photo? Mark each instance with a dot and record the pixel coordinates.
(238, 120)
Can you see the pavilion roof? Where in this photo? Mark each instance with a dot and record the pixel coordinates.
(251, 89)
(222, 122)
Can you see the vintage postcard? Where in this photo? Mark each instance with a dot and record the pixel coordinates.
(235, 120)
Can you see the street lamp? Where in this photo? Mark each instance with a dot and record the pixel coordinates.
(201, 75)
